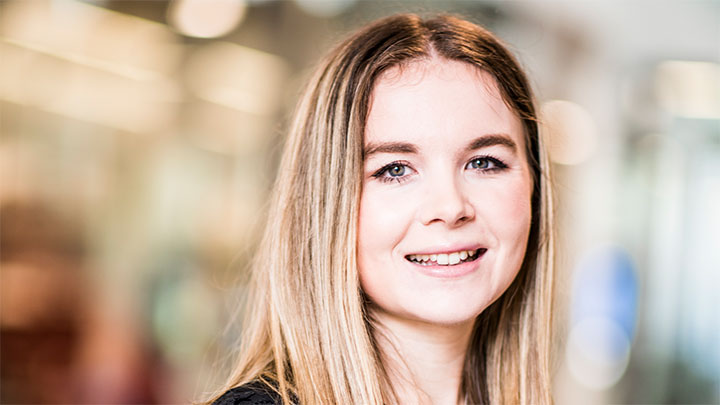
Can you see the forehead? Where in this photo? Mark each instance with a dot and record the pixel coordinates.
(441, 100)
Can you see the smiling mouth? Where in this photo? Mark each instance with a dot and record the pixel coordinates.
(446, 259)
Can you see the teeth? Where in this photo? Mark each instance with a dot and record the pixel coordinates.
(454, 258)
(443, 259)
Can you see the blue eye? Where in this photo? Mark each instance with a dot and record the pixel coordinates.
(480, 164)
(395, 171)
(485, 164)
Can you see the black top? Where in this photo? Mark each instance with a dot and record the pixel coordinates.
(255, 393)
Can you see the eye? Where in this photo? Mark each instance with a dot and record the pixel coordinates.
(395, 171)
(486, 164)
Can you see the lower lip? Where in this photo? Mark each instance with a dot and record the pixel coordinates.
(454, 271)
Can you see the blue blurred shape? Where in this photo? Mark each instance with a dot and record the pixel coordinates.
(603, 318)
(605, 286)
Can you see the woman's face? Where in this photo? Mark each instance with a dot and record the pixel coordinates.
(445, 208)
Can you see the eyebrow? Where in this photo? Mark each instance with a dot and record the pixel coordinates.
(404, 147)
(492, 140)
(389, 147)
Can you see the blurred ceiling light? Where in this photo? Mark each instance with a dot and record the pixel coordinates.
(689, 89)
(83, 60)
(85, 94)
(237, 77)
(325, 8)
(206, 18)
(89, 64)
(569, 130)
(91, 36)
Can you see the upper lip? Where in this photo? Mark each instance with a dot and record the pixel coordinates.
(446, 249)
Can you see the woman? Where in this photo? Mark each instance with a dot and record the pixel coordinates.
(408, 254)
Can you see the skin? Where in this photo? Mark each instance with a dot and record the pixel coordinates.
(444, 170)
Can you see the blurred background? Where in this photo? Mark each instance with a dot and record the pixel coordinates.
(139, 139)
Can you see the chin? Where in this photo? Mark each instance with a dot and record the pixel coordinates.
(449, 315)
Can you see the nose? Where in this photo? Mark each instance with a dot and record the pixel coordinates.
(446, 202)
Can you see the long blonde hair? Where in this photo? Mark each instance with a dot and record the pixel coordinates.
(306, 331)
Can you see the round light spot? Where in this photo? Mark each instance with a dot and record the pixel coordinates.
(597, 353)
(206, 18)
(569, 131)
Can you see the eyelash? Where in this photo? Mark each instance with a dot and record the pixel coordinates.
(382, 173)
(499, 165)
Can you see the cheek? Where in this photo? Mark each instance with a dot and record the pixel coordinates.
(517, 212)
(382, 222)
(509, 214)
(382, 225)
(508, 217)
(375, 229)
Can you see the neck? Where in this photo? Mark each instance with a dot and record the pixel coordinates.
(424, 361)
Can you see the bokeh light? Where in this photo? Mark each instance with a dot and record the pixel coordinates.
(603, 317)
(206, 18)
(571, 131)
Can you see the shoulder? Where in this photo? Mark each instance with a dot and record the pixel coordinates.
(254, 393)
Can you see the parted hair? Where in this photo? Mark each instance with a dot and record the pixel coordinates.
(306, 331)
